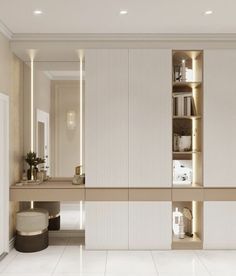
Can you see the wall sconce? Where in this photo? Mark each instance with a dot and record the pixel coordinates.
(71, 120)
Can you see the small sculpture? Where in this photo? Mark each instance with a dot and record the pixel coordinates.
(78, 179)
(187, 213)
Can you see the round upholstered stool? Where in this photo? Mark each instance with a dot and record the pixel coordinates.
(31, 230)
(53, 208)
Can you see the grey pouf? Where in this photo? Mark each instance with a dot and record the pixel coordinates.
(53, 208)
(31, 230)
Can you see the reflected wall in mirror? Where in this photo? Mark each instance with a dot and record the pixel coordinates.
(57, 130)
(65, 127)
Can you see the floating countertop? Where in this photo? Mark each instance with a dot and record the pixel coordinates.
(49, 185)
(52, 190)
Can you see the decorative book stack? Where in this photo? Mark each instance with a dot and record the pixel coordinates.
(183, 104)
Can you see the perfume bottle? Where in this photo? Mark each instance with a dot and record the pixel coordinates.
(176, 221)
(181, 227)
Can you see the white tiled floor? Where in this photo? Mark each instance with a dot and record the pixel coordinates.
(67, 257)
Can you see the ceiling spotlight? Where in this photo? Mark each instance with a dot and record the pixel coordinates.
(208, 12)
(123, 12)
(38, 12)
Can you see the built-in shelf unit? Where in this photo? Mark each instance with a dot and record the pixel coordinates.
(187, 99)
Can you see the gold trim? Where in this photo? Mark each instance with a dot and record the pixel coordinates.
(35, 233)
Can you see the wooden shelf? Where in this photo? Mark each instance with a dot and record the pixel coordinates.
(192, 84)
(185, 152)
(186, 117)
(187, 243)
(178, 55)
(182, 93)
(185, 186)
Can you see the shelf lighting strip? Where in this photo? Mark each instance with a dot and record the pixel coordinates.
(81, 127)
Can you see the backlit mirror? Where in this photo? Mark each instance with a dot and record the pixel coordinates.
(58, 89)
(57, 115)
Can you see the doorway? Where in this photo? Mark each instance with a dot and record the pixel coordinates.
(4, 174)
(42, 138)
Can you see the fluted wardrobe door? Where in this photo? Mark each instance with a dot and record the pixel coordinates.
(150, 225)
(106, 146)
(106, 118)
(219, 225)
(150, 102)
(219, 118)
(150, 145)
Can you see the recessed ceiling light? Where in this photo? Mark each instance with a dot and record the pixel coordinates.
(38, 12)
(123, 12)
(208, 12)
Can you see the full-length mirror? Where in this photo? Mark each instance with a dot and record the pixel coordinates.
(56, 132)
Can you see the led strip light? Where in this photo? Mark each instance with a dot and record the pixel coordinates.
(81, 127)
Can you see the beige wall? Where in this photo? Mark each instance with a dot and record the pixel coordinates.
(11, 81)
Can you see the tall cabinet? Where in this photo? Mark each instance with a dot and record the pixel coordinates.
(160, 140)
(128, 144)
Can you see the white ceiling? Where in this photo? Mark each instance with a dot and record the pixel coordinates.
(102, 16)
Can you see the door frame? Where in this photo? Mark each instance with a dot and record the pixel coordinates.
(5, 183)
(43, 117)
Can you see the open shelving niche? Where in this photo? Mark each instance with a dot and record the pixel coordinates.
(189, 124)
(195, 225)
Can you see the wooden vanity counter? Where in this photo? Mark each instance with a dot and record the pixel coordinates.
(52, 190)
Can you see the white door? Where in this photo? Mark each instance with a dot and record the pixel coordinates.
(42, 138)
(4, 173)
(106, 115)
(150, 121)
(150, 225)
(219, 225)
(106, 225)
(219, 118)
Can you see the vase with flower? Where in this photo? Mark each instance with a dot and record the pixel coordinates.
(33, 161)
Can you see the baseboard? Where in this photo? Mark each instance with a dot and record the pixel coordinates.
(11, 243)
(67, 234)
